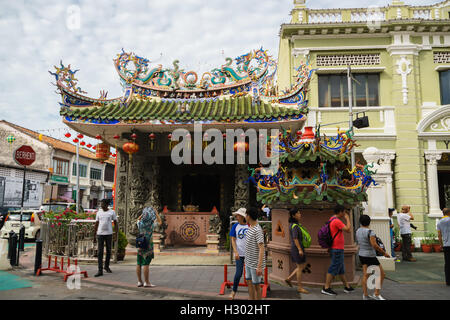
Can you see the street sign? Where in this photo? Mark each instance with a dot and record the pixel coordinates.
(25, 155)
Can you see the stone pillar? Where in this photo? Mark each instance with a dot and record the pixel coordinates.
(380, 199)
(241, 188)
(434, 210)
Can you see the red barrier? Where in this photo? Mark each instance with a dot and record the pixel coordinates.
(228, 284)
(60, 268)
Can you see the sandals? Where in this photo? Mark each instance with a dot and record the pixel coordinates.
(302, 290)
(139, 284)
(232, 295)
(149, 285)
(288, 282)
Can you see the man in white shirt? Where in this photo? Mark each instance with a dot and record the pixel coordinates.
(104, 234)
(404, 221)
(443, 228)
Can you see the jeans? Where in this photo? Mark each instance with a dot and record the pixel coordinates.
(337, 262)
(238, 274)
(250, 275)
(102, 239)
(447, 265)
(392, 243)
(406, 246)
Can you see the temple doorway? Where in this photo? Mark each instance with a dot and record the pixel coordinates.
(202, 190)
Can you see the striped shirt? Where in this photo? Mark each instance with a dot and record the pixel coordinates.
(253, 237)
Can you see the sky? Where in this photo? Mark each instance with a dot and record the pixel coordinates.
(35, 35)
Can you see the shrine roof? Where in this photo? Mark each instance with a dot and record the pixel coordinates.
(237, 109)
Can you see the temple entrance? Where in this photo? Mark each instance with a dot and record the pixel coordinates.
(202, 190)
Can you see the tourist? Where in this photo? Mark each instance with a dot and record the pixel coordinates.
(237, 235)
(103, 232)
(443, 228)
(266, 210)
(337, 250)
(297, 249)
(145, 255)
(391, 231)
(254, 255)
(368, 246)
(403, 219)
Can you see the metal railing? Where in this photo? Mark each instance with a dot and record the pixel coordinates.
(72, 238)
(265, 225)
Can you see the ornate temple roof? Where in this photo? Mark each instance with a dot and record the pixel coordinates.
(241, 93)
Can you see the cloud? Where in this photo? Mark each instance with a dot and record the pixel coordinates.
(35, 35)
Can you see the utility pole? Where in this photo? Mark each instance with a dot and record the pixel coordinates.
(78, 177)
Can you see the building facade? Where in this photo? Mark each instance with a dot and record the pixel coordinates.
(53, 175)
(400, 61)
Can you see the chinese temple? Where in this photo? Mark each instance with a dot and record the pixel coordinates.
(314, 172)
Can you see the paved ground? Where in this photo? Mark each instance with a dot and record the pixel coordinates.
(200, 277)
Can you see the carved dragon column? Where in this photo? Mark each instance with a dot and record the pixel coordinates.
(241, 188)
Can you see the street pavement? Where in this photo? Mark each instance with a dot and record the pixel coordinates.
(200, 277)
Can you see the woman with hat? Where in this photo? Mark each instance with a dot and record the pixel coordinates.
(237, 235)
(145, 255)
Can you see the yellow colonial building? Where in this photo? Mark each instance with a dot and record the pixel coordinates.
(400, 61)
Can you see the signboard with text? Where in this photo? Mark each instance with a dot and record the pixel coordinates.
(25, 155)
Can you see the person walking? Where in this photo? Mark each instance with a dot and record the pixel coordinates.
(337, 250)
(237, 235)
(103, 232)
(297, 249)
(266, 211)
(443, 228)
(255, 261)
(404, 221)
(145, 255)
(368, 246)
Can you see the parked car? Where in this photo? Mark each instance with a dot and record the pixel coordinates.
(4, 212)
(30, 219)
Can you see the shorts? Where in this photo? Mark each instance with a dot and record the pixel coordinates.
(337, 262)
(369, 261)
(250, 275)
(141, 261)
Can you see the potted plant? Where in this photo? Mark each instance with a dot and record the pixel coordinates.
(427, 243)
(122, 244)
(398, 240)
(436, 245)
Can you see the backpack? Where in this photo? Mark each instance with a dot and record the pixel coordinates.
(324, 235)
(141, 242)
(380, 244)
(306, 237)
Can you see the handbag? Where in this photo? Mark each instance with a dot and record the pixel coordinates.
(141, 242)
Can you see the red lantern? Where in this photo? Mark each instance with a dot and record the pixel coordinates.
(134, 136)
(80, 136)
(68, 135)
(239, 145)
(75, 140)
(98, 137)
(169, 136)
(94, 147)
(102, 151)
(83, 143)
(89, 145)
(116, 137)
(152, 136)
(130, 148)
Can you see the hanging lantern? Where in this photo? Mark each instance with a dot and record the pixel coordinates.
(152, 137)
(89, 145)
(134, 136)
(82, 143)
(130, 148)
(41, 136)
(102, 151)
(80, 136)
(117, 137)
(98, 137)
(67, 135)
(94, 147)
(75, 140)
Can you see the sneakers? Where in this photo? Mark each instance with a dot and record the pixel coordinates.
(328, 292)
(367, 297)
(379, 297)
(348, 290)
(107, 269)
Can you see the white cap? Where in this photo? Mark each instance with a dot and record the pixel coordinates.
(241, 211)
